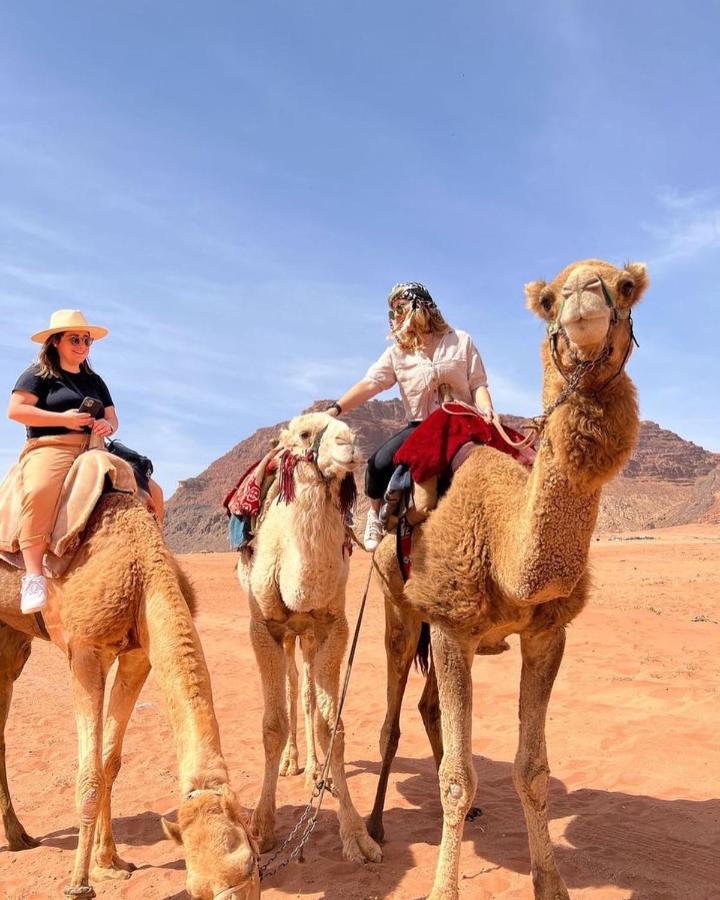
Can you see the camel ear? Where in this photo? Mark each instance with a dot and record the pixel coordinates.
(172, 830)
(535, 300)
(640, 278)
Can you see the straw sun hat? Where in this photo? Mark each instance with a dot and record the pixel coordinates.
(68, 320)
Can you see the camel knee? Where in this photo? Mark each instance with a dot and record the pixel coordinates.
(111, 767)
(275, 734)
(457, 790)
(90, 793)
(531, 779)
(389, 738)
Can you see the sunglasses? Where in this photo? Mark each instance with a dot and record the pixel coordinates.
(78, 340)
(397, 312)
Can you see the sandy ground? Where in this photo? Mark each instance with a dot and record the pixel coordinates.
(633, 736)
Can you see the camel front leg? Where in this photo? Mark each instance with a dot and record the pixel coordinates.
(429, 707)
(88, 669)
(541, 654)
(309, 701)
(453, 658)
(402, 631)
(132, 672)
(289, 759)
(270, 658)
(358, 846)
(14, 653)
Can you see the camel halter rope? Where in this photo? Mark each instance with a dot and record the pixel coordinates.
(305, 825)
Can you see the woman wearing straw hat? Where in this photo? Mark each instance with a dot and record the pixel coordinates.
(46, 400)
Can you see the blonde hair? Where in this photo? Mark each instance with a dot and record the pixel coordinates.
(48, 359)
(424, 319)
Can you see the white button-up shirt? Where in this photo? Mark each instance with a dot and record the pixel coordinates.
(455, 362)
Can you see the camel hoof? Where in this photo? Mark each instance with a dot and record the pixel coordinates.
(118, 870)
(312, 773)
(473, 813)
(359, 847)
(21, 840)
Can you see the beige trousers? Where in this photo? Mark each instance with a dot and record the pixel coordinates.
(44, 465)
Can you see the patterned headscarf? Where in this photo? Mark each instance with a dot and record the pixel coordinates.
(413, 292)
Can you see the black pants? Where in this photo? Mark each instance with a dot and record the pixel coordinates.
(380, 466)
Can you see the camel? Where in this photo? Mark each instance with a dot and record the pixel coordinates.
(506, 552)
(295, 583)
(123, 597)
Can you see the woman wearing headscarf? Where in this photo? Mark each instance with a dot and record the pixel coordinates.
(426, 353)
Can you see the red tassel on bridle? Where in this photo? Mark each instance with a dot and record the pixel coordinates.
(286, 476)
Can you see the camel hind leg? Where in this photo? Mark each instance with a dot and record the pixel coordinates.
(402, 632)
(14, 653)
(289, 759)
(132, 672)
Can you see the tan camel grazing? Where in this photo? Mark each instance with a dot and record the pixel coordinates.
(295, 582)
(124, 598)
(506, 552)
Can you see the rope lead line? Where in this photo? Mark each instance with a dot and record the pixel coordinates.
(322, 785)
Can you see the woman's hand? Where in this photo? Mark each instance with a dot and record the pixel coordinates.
(102, 428)
(75, 420)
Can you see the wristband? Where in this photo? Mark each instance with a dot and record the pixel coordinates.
(336, 406)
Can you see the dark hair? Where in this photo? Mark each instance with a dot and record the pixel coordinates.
(48, 359)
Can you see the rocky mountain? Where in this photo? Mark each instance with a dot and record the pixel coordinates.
(668, 481)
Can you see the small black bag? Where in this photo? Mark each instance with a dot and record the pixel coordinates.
(141, 465)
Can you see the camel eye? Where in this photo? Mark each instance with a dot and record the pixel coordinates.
(304, 435)
(626, 288)
(546, 301)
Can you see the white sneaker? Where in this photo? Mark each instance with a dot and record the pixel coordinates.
(374, 532)
(33, 594)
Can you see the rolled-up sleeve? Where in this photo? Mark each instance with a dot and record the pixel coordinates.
(477, 376)
(382, 372)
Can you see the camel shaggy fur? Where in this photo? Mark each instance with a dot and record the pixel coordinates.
(295, 582)
(124, 598)
(506, 552)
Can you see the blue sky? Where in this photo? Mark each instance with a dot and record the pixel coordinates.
(233, 188)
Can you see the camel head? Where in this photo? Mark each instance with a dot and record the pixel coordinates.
(587, 310)
(330, 442)
(221, 855)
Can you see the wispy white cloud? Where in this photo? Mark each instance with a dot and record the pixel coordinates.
(688, 226)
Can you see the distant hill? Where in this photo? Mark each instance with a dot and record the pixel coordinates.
(668, 481)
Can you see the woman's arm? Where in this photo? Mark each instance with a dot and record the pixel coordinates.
(107, 426)
(22, 408)
(483, 401)
(357, 395)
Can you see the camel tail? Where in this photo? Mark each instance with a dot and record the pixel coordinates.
(422, 653)
(186, 587)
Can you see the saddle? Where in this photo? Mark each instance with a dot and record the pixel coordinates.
(426, 463)
(92, 474)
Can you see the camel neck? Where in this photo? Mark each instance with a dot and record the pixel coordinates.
(179, 666)
(586, 442)
(317, 515)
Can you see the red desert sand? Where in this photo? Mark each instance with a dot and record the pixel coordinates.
(633, 740)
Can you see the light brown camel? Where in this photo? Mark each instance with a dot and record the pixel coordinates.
(295, 582)
(124, 597)
(506, 552)
(289, 761)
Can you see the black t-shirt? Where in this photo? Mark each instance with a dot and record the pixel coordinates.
(61, 394)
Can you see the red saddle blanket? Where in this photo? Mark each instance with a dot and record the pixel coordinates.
(431, 447)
